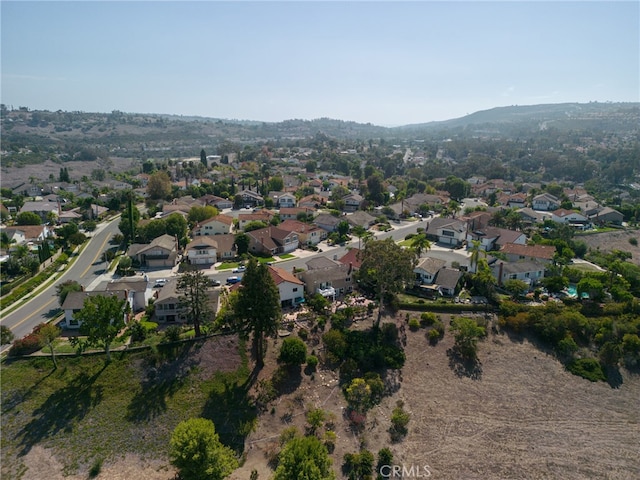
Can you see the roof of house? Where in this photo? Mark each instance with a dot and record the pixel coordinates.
(430, 265)
(29, 231)
(39, 207)
(163, 241)
(318, 263)
(563, 212)
(226, 242)
(360, 218)
(327, 219)
(75, 300)
(351, 258)
(222, 218)
(203, 242)
(521, 267)
(297, 226)
(136, 284)
(451, 223)
(261, 216)
(448, 278)
(534, 251)
(280, 275)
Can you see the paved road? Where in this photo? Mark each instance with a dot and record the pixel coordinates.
(86, 267)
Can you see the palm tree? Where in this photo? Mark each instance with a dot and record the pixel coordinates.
(420, 243)
(476, 251)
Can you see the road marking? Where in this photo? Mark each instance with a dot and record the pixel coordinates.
(34, 313)
(95, 258)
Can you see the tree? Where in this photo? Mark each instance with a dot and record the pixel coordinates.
(476, 250)
(101, 318)
(28, 218)
(592, 287)
(48, 332)
(154, 229)
(343, 230)
(6, 335)
(457, 188)
(199, 214)
(193, 287)
(466, 335)
(293, 351)
(242, 243)
(483, 280)
(159, 186)
(203, 158)
(128, 223)
(420, 243)
(304, 458)
(516, 287)
(358, 395)
(176, 225)
(386, 268)
(275, 184)
(258, 309)
(63, 289)
(198, 454)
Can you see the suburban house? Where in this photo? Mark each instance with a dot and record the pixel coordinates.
(162, 252)
(517, 252)
(218, 225)
(43, 209)
(327, 222)
(251, 199)
(352, 202)
(283, 199)
(291, 213)
(531, 217)
(23, 234)
(168, 308)
(361, 219)
(261, 216)
(528, 271)
(312, 201)
(477, 220)
(202, 251)
(291, 288)
(219, 202)
(75, 302)
(307, 234)
(545, 201)
(569, 217)
(492, 238)
(226, 247)
(351, 258)
(135, 288)
(327, 277)
(448, 281)
(427, 269)
(447, 231)
(607, 215)
(272, 240)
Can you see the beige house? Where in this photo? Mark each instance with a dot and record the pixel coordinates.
(162, 252)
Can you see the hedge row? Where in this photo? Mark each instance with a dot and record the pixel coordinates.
(444, 307)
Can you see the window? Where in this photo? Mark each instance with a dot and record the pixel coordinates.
(295, 289)
(348, 279)
(447, 233)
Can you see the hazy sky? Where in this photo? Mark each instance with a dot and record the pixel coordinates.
(388, 63)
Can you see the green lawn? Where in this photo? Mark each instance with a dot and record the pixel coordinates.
(88, 410)
(285, 256)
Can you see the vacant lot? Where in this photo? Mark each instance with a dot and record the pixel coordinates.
(518, 415)
(618, 240)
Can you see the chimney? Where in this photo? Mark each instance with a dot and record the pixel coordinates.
(350, 267)
(500, 273)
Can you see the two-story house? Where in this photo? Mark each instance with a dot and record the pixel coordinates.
(545, 201)
(283, 199)
(569, 217)
(162, 252)
(74, 302)
(517, 252)
(272, 240)
(290, 287)
(251, 198)
(135, 288)
(327, 277)
(307, 234)
(492, 238)
(218, 225)
(447, 231)
(202, 251)
(427, 269)
(352, 202)
(261, 216)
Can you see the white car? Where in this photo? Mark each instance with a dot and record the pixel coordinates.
(161, 282)
(239, 269)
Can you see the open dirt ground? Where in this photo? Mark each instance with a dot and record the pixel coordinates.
(618, 240)
(519, 415)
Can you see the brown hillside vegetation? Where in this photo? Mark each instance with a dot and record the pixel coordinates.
(520, 415)
(618, 240)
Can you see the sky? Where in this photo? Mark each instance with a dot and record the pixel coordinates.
(386, 63)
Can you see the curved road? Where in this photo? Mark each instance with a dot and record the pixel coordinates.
(86, 267)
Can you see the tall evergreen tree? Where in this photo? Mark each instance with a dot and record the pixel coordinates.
(193, 288)
(203, 157)
(258, 309)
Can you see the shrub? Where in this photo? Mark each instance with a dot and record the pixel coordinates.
(433, 336)
(588, 368)
(172, 333)
(633, 241)
(428, 318)
(27, 345)
(6, 335)
(288, 434)
(303, 333)
(385, 457)
(399, 421)
(358, 465)
(330, 440)
(414, 324)
(315, 419)
(312, 362)
(293, 351)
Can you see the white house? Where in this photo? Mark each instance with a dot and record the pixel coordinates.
(447, 231)
(427, 269)
(75, 302)
(528, 271)
(569, 217)
(202, 251)
(545, 201)
(283, 199)
(290, 287)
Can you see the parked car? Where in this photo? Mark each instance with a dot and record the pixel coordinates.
(161, 282)
(239, 269)
(215, 283)
(232, 280)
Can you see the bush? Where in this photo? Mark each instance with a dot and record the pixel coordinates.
(588, 368)
(27, 345)
(312, 362)
(172, 333)
(6, 335)
(414, 324)
(399, 421)
(428, 318)
(433, 336)
(293, 351)
(303, 333)
(633, 241)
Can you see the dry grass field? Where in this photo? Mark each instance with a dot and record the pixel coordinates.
(518, 415)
